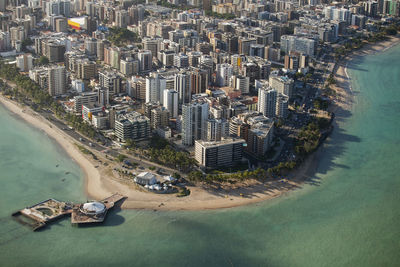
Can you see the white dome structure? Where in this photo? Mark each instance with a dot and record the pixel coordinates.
(93, 207)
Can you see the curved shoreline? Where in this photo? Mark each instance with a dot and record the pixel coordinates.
(99, 186)
(64, 141)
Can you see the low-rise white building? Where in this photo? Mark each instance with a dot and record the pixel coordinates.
(145, 178)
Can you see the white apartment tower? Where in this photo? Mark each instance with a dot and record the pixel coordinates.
(217, 129)
(283, 84)
(267, 101)
(298, 44)
(171, 102)
(155, 87)
(24, 62)
(57, 80)
(224, 73)
(194, 122)
(240, 83)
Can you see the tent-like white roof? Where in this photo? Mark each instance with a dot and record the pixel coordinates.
(94, 207)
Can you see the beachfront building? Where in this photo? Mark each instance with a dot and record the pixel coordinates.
(57, 80)
(86, 98)
(89, 110)
(145, 178)
(226, 152)
(132, 125)
(260, 138)
(24, 62)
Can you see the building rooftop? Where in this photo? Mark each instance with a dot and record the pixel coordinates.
(262, 129)
(224, 141)
(93, 207)
(131, 117)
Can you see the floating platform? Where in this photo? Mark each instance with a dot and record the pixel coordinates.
(47, 211)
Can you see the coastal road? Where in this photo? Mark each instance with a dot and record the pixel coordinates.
(48, 115)
(100, 148)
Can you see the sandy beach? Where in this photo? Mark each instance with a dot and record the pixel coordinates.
(344, 97)
(100, 182)
(63, 140)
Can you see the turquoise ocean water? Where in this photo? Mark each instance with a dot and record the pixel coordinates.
(348, 215)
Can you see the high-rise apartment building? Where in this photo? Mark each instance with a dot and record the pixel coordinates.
(224, 73)
(86, 69)
(170, 102)
(132, 126)
(183, 85)
(122, 18)
(298, 44)
(159, 117)
(267, 101)
(194, 122)
(87, 99)
(111, 81)
(181, 61)
(199, 80)
(155, 86)
(91, 46)
(57, 7)
(129, 66)
(282, 84)
(282, 105)
(24, 62)
(145, 60)
(152, 44)
(54, 51)
(57, 80)
(137, 88)
(217, 129)
(61, 24)
(240, 83)
(224, 153)
(259, 138)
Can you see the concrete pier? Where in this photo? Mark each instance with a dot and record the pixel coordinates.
(94, 212)
(47, 211)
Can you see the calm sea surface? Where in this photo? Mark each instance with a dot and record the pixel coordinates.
(349, 215)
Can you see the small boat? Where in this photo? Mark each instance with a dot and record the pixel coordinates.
(57, 165)
(67, 172)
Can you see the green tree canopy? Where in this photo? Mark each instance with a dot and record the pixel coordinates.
(43, 60)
